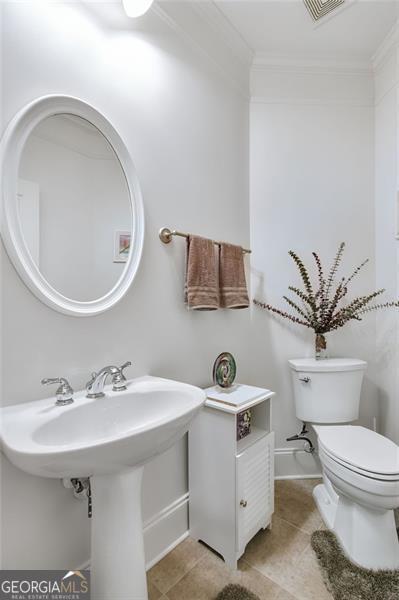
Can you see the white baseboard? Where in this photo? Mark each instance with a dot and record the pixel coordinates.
(313, 476)
(162, 532)
(165, 530)
(295, 463)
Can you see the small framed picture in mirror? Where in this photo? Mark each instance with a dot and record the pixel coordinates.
(122, 242)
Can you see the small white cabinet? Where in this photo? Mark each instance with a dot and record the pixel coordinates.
(231, 482)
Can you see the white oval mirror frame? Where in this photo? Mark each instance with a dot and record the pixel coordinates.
(12, 145)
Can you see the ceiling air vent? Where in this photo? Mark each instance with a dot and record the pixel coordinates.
(320, 8)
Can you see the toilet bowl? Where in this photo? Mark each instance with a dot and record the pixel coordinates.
(363, 468)
(360, 488)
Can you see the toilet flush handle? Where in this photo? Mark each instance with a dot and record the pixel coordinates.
(304, 379)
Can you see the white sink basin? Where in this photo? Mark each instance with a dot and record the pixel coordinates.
(108, 439)
(99, 436)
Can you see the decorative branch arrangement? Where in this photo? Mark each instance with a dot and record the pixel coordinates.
(321, 306)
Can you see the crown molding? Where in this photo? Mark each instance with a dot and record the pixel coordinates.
(225, 30)
(206, 29)
(264, 61)
(316, 101)
(385, 49)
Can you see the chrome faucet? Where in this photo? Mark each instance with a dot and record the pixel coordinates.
(64, 392)
(95, 387)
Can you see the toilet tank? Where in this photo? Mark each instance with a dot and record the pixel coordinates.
(328, 390)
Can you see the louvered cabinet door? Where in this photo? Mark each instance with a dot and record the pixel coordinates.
(255, 480)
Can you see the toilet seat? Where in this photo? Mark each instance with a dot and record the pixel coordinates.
(361, 450)
(381, 487)
(362, 472)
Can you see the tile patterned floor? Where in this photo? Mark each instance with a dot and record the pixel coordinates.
(277, 564)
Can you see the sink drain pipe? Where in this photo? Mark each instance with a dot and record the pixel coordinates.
(81, 490)
(302, 436)
(78, 485)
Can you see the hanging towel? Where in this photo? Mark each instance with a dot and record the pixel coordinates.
(201, 286)
(233, 287)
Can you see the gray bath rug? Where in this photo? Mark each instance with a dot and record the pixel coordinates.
(345, 580)
(236, 592)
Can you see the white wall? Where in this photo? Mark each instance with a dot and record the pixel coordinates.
(386, 185)
(187, 130)
(311, 157)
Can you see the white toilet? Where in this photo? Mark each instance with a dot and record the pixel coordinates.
(360, 485)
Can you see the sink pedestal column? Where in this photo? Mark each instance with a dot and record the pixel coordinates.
(117, 545)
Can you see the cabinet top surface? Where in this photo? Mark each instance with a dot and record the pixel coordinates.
(237, 398)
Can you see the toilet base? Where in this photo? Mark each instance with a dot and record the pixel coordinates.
(326, 502)
(368, 536)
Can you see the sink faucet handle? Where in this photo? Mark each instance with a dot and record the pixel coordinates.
(64, 383)
(92, 380)
(64, 392)
(119, 378)
(50, 380)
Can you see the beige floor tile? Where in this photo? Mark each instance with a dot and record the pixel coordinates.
(176, 564)
(153, 591)
(259, 584)
(284, 595)
(294, 503)
(277, 565)
(306, 581)
(275, 553)
(210, 575)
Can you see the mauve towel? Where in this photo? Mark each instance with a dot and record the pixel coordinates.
(232, 284)
(201, 285)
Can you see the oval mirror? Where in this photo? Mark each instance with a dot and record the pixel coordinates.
(72, 219)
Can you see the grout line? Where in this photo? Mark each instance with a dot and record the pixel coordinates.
(281, 585)
(308, 547)
(265, 577)
(244, 560)
(272, 580)
(156, 587)
(296, 569)
(297, 563)
(295, 526)
(186, 573)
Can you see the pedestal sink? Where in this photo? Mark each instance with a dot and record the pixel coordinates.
(108, 439)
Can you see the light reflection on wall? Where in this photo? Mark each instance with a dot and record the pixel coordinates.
(103, 31)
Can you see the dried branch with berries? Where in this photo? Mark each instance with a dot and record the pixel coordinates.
(324, 307)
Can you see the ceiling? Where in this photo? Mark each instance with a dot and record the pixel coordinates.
(284, 28)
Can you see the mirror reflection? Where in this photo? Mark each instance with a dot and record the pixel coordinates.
(74, 207)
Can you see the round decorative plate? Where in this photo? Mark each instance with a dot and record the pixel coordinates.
(224, 370)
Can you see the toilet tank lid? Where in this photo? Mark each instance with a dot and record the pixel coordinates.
(327, 364)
